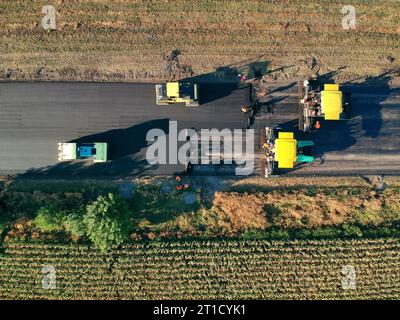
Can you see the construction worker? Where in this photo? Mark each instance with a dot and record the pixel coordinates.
(242, 77)
(262, 93)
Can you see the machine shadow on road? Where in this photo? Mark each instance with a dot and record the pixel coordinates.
(224, 80)
(370, 110)
(124, 142)
(126, 153)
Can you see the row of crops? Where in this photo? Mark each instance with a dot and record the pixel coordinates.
(236, 269)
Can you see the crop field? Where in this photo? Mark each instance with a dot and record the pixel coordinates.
(206, 270)
(126, 40)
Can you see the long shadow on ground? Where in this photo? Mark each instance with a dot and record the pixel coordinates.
(126, 153)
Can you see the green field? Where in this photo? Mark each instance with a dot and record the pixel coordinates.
(205, 270)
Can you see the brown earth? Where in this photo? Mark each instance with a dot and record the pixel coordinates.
(133, 40)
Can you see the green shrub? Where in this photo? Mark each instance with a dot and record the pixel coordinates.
(3, 224)
(108, 221)
(49, 220)
(303, 234)
(351, 231)
(20, 204)
(279, 234)
(74, 224)
(326, 233)
(254, 234)
(53, 219)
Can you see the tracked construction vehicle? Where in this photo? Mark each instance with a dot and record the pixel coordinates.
(282, 151)
(315, 104)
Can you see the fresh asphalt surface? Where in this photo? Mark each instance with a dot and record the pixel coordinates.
(34, 117)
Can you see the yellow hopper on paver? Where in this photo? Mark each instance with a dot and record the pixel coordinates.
(329, 104)
(332, 102)
(284, 152)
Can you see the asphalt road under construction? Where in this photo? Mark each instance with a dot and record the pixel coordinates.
(35, 116)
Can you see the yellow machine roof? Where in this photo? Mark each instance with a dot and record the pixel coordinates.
(172, 89)
(331, 87)
(332, 102)
(285, 150)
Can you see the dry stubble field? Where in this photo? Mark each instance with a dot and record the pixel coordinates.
(125, 40)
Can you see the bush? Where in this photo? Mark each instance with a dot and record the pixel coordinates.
(326, 232)
(54, 219)
(49, 220)
(279, 234)
(303, 234)
(108, 221)
(3, 224)
(254, 234)
(351, 231)
(74, 224)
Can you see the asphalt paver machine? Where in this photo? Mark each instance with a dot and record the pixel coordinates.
(282, 151)
(315, 104)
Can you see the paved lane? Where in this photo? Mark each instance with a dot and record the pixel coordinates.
(34, 117)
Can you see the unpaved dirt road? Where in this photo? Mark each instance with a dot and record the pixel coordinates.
(34, 117)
